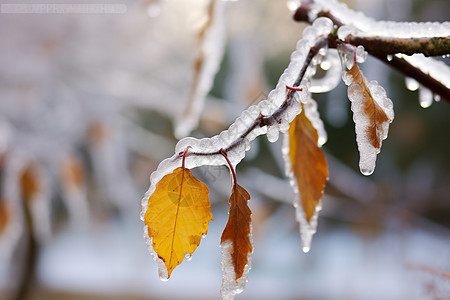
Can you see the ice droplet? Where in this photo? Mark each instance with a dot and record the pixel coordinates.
(325, 65)
(344, 31)
(411, 84)
(322, 140)
(305, 249)
(361, 54)
(425, 97)
(437, 98)
(273, 133)
(323, 26)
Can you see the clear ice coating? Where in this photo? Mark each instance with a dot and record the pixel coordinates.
(359, 24)
(307, 230)
(332, 77)
(433, 67)
(230, 286)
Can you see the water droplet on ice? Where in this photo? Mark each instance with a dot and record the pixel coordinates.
(425, 97)
(389, 57)
(411, 84)
(437, 98)
(203, 236)
(325, 65)
(187, 256)
(366, 171)
(306, 249)
(321, 140)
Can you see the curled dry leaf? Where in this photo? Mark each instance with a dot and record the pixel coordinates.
(237, 229)
(236, 243)
(308, 163)
(372, 113)
(178, 215)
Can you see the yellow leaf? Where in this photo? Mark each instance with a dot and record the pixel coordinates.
(308, 163)
(178, 215)
(237, 229)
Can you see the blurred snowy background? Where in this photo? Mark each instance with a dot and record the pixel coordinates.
(88, 104)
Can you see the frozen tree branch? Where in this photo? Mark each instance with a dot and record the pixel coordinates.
(384, 49)
(270, 120)
(429, 46)
(407, 69)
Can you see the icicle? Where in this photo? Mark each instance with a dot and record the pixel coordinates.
(307, 230)
(425, 97)
(230, 286)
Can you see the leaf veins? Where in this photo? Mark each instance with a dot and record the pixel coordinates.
(237, 229)
(308, 163)
(178, 215)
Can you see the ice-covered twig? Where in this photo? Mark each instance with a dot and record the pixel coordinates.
(383, 38)
(425, 79)
(428, 46)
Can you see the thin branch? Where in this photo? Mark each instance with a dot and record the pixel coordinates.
(381, 47)
(434, 46)
(409, 70)
(274, 118)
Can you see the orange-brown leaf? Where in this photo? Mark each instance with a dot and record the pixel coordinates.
(308, 163)
(237, 229)
(371, 108)
(178, 215)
